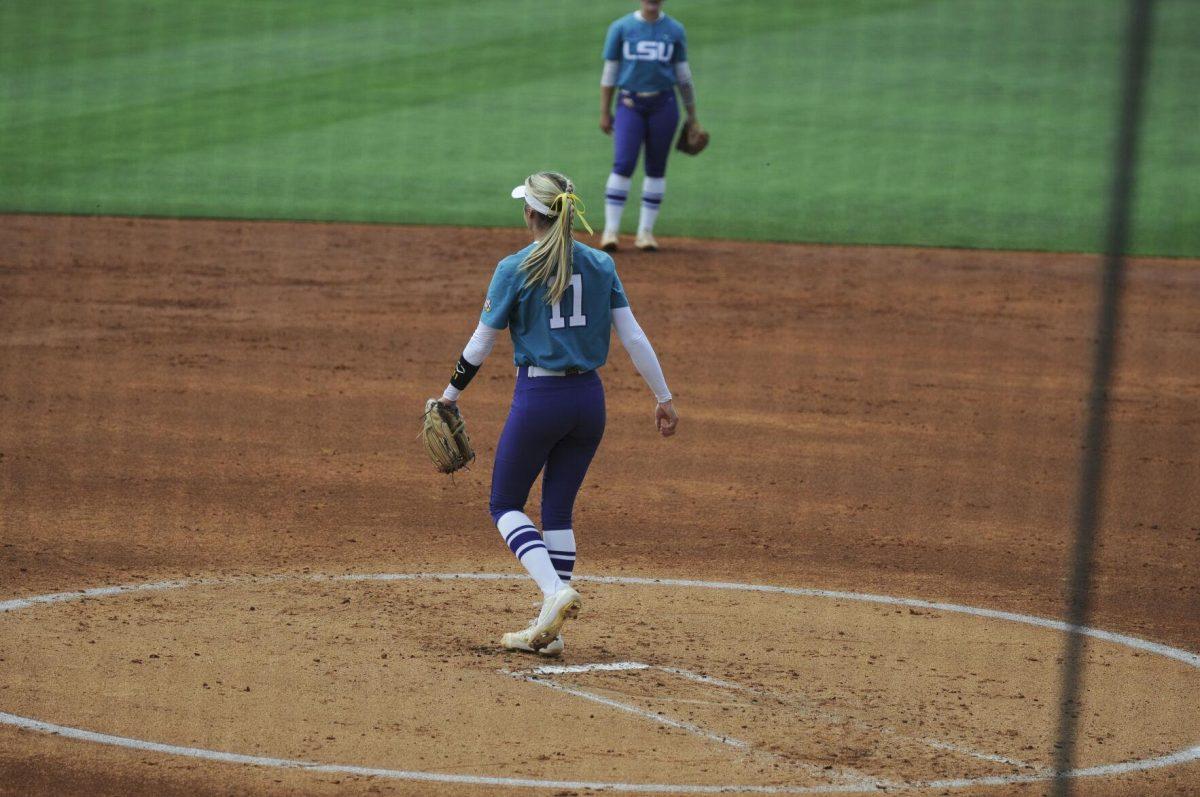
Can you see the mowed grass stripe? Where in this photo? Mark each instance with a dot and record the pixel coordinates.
(940, 122)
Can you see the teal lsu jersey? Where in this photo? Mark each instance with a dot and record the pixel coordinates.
(574, 332)
(647, 52)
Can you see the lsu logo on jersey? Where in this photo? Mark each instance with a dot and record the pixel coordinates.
(649, 51)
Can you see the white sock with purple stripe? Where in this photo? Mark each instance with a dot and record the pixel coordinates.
(653, 189)
(522, 538)
(616, 191)
(560, 544)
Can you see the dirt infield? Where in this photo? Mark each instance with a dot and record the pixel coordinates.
(232, 406)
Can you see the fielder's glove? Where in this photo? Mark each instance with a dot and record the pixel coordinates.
(692, 138)
(444, 433)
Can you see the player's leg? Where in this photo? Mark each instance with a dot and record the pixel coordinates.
(629, 131)
(566, 467)
(535, 423)
(660, 135)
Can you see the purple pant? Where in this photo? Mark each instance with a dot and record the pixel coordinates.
(644, 120)
(555, 424)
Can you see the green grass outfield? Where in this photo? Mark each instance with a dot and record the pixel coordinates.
(980, 123)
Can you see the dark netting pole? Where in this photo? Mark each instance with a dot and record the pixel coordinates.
(1096, 434)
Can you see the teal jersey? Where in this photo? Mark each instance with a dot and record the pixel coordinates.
(572, 333)
(647, 52)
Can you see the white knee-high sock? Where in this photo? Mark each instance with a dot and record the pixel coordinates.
(561, 547)
(523, 540)
(616, 191)
(653, 189)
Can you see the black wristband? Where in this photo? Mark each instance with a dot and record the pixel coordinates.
(463, 372)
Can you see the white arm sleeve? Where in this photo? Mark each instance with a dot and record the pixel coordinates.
(480, 345)
(477, 349)
(641, 352)
(687, 90)
(609, 76)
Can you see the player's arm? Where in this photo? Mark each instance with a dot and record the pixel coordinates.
(608, 75)
(687, 89)
(683, 77)
(499, 302)
(477, 349)
(606, 97)
(646, 362)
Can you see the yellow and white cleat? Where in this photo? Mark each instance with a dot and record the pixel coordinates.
(608, 241)
(556, 610)
(519, 641)
(645, 241)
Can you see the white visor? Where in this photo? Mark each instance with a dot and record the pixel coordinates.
(532, 201)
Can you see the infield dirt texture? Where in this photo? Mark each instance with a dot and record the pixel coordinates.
(238, 401)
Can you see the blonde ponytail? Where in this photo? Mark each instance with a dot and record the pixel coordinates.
(550, 262)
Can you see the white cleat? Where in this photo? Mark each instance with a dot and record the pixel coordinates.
(556, 610)
(608, 241)
(645, 241)
(519, 641)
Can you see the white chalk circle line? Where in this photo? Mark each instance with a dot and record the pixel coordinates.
(1178, 757)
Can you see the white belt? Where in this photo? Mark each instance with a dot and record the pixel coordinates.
(533, 370)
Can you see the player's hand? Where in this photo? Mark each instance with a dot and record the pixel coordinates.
(666, 419)
(448, 402)
(606, 123)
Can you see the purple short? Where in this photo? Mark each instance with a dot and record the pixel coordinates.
(644, 120)
(555, 424)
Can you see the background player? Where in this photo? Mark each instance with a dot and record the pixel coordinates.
(560, 300)
(645, 56)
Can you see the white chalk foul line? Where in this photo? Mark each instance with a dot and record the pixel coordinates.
(1120, 768)
(938, 744)
(845, 775)
(661, 719)
(935, 743)
(705, 679)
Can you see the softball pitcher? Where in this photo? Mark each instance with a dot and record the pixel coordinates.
(560, 300)
(645, 58)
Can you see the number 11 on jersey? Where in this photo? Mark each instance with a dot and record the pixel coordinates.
(577, 319)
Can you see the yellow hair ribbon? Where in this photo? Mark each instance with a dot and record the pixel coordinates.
(578, 203)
